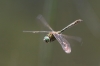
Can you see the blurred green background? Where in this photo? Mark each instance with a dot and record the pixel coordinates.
(27, 49)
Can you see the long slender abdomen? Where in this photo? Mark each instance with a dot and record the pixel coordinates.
(70, 25)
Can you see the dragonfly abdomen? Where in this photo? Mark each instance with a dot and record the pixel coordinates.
(70, 25)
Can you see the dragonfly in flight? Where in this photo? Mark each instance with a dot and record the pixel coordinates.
(56, 35)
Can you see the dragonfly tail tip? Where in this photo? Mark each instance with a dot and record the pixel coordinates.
(80, 20)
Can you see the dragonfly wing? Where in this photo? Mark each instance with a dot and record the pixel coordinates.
(38, 31)
(64, 43)
(72, 37)
(41, 18)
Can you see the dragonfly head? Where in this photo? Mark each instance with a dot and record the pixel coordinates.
(46, 39)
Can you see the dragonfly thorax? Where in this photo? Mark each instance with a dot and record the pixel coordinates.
(49, 37)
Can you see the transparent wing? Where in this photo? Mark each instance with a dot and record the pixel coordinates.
(64, 43)
(41, 18)
(38, 31)
(73, 37)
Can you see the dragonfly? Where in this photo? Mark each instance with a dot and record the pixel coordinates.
(56, 35)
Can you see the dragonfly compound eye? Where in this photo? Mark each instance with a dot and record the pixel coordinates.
(46, 39)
